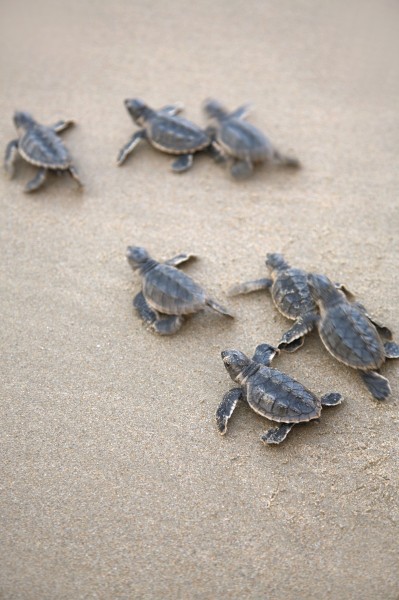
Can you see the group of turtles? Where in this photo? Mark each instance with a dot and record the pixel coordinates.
(168, 295)
(311, 300)
(228, 138)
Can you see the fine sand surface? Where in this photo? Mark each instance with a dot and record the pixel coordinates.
(115, 481)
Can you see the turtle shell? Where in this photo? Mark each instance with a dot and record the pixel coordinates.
(42, 147)
(242, 140)
(176, 135)
(281, 398)
(172, 292)
(351, 338)
(291, 294)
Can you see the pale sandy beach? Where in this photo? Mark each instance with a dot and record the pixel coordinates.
(115, 482)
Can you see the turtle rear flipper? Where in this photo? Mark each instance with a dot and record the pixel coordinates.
(168, 325)
(241, 169)
(331, 399)
(377, 385)
(391, 350)
(286, 161)
(183, 163)
(219, 308)
(276, 435)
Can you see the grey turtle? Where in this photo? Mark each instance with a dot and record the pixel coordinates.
(39, 145)
(167, 295)
(290, 292)
(269, 393)
(166, 132)
(242, 141)
(350, 336)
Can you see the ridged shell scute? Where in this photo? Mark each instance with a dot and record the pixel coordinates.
(279, 397)
(291, 293)
(42, 147)
(172, 292)
(176, 135)
(350, 337)
(243, 140)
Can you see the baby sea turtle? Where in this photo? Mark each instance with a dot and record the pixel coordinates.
(291, 295)
(39, 145)
(269, 392)
(242, 141)
(290, 292)
(166, 132)
(167, 294)
(350, 336)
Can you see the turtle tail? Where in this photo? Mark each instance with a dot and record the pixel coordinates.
(219, 308)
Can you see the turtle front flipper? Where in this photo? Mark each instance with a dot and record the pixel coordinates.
(130, 146)
(377, 385)
(62, 125)
(250, 286)
(331, 399)
(241, 169)
(264, 354)
(276, 435)
(384, 331)
(183, 163)
(10, 156)
(391, 350)
(170, 110)
(241, 112)
(226, 408)
(179, 259)
(293, 339)
(219, 308)
(37, 181)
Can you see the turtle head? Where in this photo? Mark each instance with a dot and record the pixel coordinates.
(323, 290)
(23, 120)
(137, 257)
(214, 109)
(235, 363)
(275, 261)
(138, 110)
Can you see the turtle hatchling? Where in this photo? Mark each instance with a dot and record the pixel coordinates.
(269, 393)
(39, 145)
(348, 333)
(291, 295)
(290, 292)
(167, 132)
(240, 140)
(167, 295)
